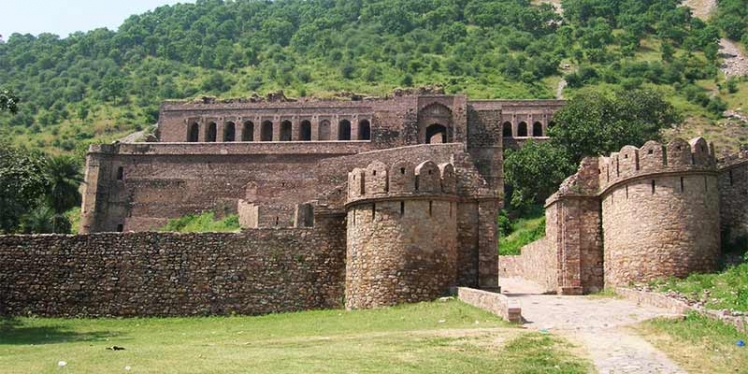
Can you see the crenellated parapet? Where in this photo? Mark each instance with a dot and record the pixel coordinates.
(652, 158)
(402, 180)
(402, 233)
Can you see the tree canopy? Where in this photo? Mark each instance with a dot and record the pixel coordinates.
(590, 124)
(99, 84)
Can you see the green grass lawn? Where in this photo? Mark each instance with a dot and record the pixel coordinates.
(698, 344)
(726, 290)
(440, 337)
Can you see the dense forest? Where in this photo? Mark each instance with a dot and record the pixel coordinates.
(99, 85)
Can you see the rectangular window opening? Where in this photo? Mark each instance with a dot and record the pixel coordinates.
(682, 185)
(402, 208)
(431, 208)
(653, 187)
(373, 211)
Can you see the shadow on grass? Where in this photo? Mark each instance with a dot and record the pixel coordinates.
(14, 332)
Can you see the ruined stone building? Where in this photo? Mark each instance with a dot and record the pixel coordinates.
(361, 203)
(371, 201)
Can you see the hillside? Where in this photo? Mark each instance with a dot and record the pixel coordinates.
(101, 85)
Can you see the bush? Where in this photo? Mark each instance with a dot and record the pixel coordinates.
(204, 222)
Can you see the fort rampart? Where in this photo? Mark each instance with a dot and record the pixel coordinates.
(165, 274)
(402, 233)
(638, 215)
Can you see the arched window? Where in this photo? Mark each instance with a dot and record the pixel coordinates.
(193, 133)
(211, 133)
(537, 129)
(286, 131)
(344, 130)
(266, 132)
(364, 130)
(305, 131)
(551, 124)
(324, 130)
(506, 129)
(248, 133)
(436, 134)
(522, 129)
(229, 132)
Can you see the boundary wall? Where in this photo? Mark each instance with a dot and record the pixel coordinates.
(167, 274)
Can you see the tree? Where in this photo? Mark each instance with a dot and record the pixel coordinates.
(595, 123)
(64, 178)
(8, 101)
(535, 171)
(592, 123)
(22, 183)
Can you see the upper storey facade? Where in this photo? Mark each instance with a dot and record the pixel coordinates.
(396, 121)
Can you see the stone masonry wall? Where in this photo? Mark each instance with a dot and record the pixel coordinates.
(402, 234)
(537, 262)
(733, 200)
(671, 229)
(161, 274)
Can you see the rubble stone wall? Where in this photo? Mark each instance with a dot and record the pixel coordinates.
(165, 274)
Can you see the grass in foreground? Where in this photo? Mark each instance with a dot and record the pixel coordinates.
(448, 337)
(698, 344)
(726, 290)
(205, 222)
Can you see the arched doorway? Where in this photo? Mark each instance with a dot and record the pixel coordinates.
(436, 134)
(229, 132)
(305, 131)
(211, 133)
(248, 133)
(285, 131)
(266, 132)
(522, 129)
(344, 130)
(193, 133)
(537, 129)
(507, 129)
(364, 130)
(324, 130)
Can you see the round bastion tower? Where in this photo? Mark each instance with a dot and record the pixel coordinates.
(402, 234)
(660, 209)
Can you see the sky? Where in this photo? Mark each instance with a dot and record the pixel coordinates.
(63, 17)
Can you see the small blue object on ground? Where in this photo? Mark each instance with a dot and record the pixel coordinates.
(741, 343)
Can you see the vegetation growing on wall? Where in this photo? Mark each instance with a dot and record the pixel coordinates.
(205, 222)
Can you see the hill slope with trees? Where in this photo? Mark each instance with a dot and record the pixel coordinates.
(102, 84)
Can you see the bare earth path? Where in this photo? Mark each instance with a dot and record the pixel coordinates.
(598, 324)
(735, 63)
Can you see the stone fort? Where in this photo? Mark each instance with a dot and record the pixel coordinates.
(360, 203)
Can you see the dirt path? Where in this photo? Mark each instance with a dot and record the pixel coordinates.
(701, 8)
(599, 324)
(734, 62)
(560, 89)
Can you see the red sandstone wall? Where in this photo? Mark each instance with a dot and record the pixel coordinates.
(162, 181)
(160, 274)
